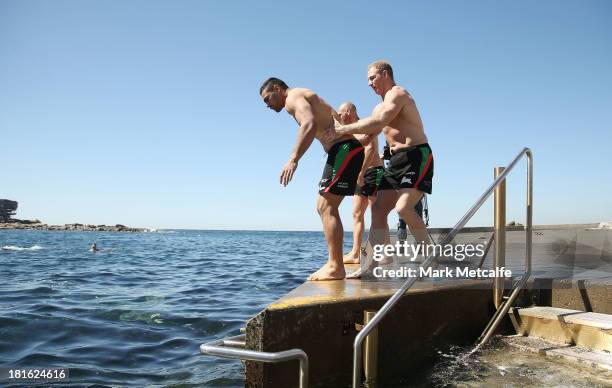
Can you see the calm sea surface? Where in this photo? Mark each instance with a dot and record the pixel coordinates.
(136, 313)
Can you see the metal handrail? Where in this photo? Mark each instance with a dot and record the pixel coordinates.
(446, 240)
(233, 347)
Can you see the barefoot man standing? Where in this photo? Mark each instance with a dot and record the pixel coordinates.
(410, 169)
(345, 157)
(367, 183)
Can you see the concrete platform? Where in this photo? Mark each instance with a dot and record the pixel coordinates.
(321, 317)
(572, 268)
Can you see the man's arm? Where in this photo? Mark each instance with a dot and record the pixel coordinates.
(369, 151)
(383, 114)
(306, 135)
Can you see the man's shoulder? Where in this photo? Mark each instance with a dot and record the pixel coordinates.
(297, 96)
(398, 91)
(299, 92)
(400, 95)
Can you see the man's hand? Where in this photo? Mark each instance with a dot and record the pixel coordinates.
(397, 146)
(288, 171)
(336, 116)
(360, 180)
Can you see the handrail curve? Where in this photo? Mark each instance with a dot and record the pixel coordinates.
(382, 312)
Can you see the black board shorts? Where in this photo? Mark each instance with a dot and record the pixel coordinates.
(372, 178)
(409, 168)
(344, 162)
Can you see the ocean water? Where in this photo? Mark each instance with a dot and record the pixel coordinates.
(135, 313)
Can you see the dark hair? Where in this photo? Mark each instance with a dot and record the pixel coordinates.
(272, 81)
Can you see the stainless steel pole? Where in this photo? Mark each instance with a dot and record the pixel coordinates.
(500, 236)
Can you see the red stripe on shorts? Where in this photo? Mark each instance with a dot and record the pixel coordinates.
(343, 167)
(429, 159)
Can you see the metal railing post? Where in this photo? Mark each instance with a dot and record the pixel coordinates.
(500, 236)
(529, 222)
(233, 347)
(505, 307)
(370, 351)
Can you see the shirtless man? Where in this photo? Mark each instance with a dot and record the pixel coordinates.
(345, 157)
(367, 183)
(410, 169)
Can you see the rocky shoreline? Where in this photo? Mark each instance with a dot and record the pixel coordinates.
(37, 225)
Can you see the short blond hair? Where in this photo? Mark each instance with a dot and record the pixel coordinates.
(380, 66)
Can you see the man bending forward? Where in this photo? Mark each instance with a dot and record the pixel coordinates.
(345, 157)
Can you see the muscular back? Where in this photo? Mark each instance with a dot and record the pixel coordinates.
(406, 128)
(321, 111)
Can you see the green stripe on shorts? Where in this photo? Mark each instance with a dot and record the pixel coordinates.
(379, 175)
(424, 156)
(340, 156)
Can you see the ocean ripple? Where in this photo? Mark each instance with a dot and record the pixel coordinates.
(135, 315)
(16, 248)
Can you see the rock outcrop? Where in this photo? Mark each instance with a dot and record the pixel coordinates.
(37, 225)
(8, 209)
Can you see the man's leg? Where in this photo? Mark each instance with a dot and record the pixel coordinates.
(360, 204)
(379, 228)
(401, 225)
(327, 207)
(408, 199)
(385, 202)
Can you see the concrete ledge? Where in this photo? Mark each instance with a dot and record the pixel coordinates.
(545, 312)
(320, 318)
(600, 321)
(590, 330)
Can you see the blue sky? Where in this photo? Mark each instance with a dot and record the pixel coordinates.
(147, 113)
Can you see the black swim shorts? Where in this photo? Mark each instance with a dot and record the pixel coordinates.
(372, 178)
(342, 168)
(410, 167)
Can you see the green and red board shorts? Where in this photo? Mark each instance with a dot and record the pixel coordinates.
(411, 167)
(372, 178)
(344, 162)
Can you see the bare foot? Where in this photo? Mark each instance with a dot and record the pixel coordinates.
(355, 274)
(327, 272)
(351, 258)
(386, 260)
